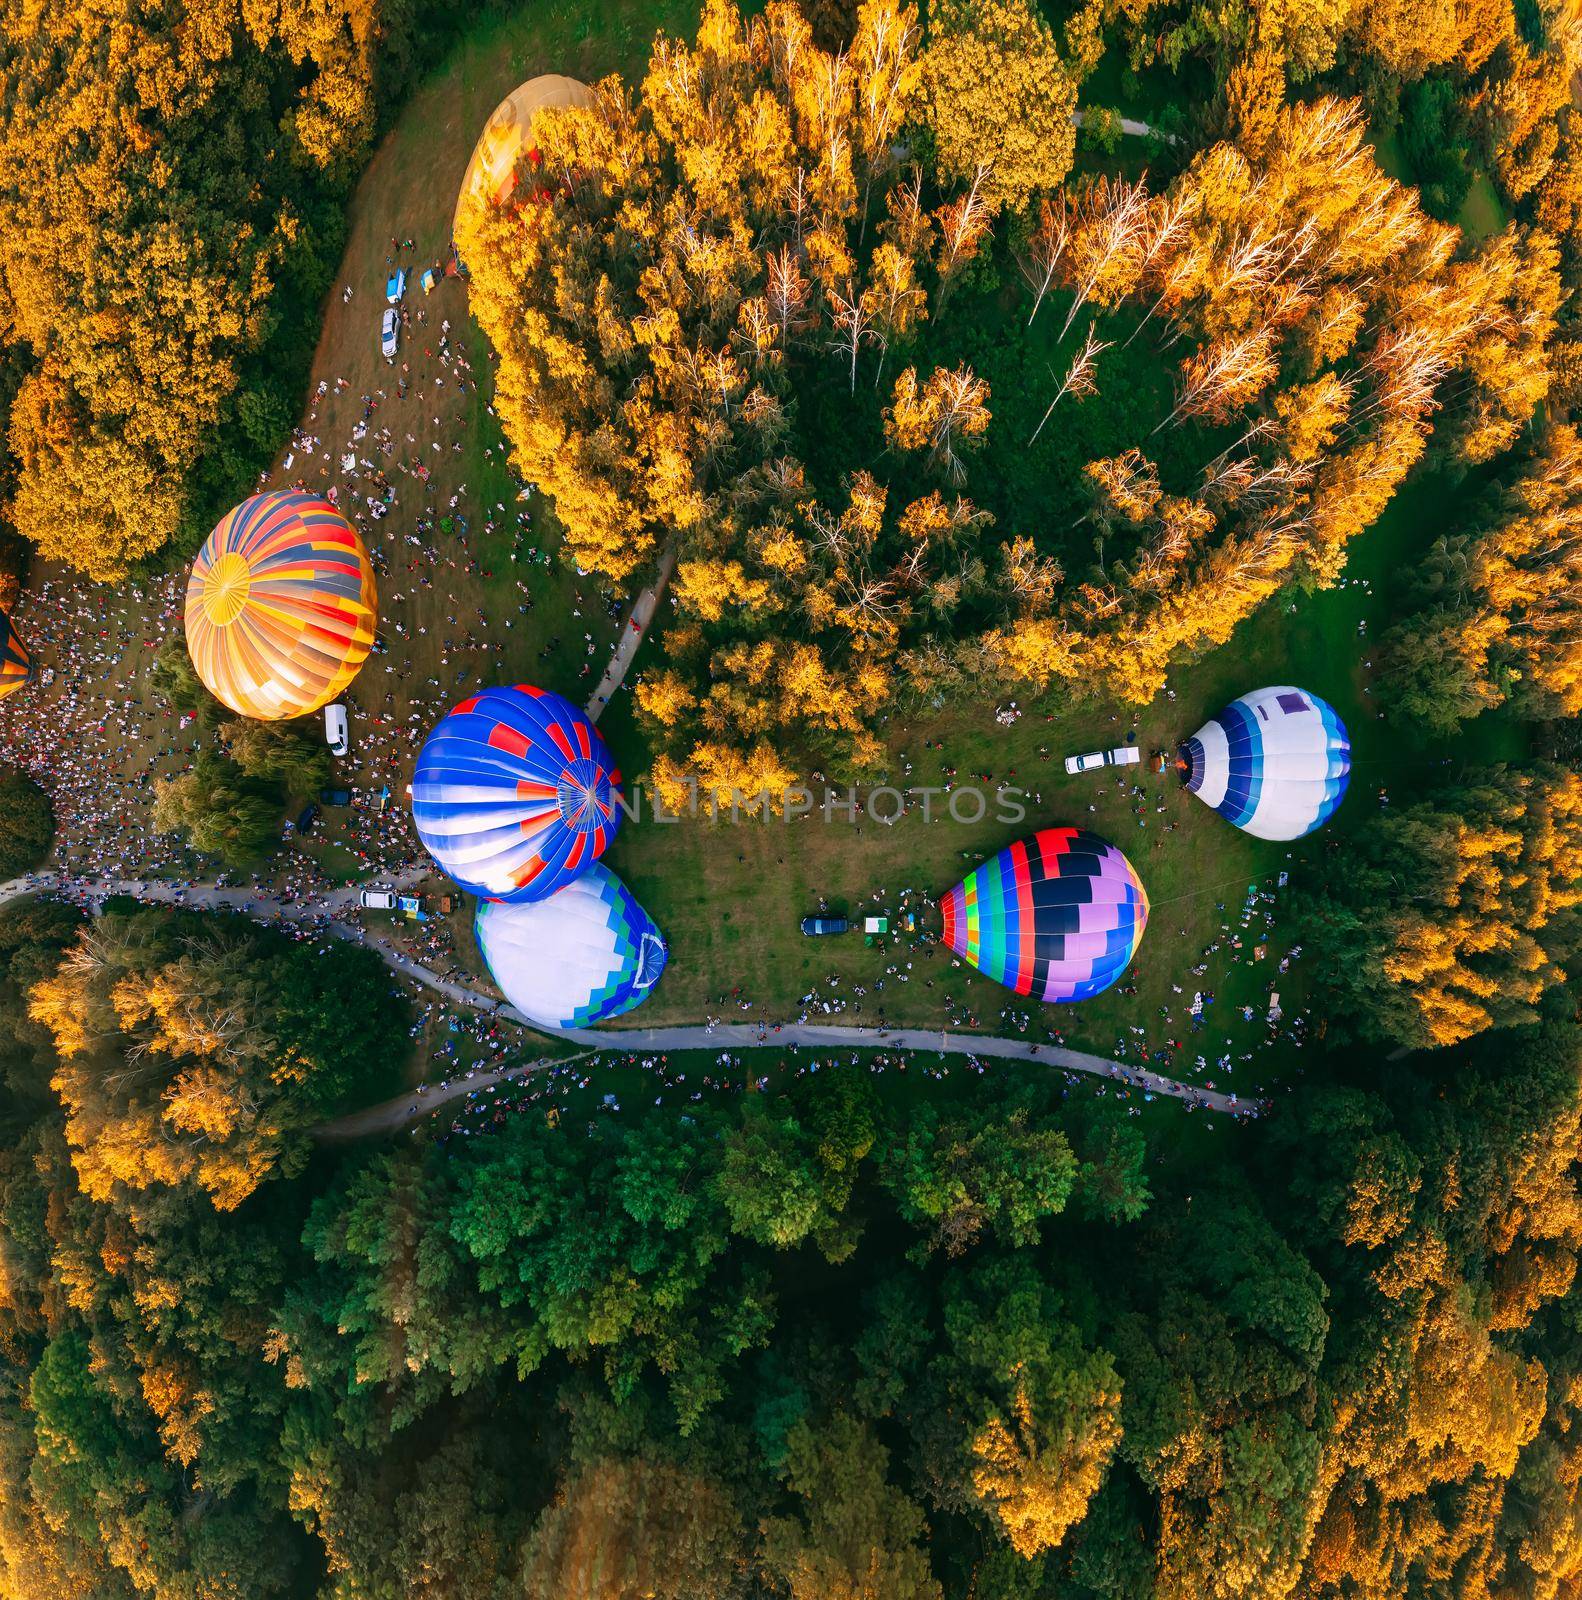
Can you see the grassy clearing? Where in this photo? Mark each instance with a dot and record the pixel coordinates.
(614, 1086)
(730, 896)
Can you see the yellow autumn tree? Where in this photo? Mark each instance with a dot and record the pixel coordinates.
(171, 1068)
(1326, 316)
(1459, 913)
(160, 182)
(1036, 1475)
(998, 97)
(1499, 606)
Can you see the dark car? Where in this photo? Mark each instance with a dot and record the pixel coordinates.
(335, 797)
(310, 815)
(815, 925)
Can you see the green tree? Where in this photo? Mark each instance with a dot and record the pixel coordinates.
(280, 752)
(174, 678)
(27, 823)
(218, 810)
(857, 1535)
(958, 1178)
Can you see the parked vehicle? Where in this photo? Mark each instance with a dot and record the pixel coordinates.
(309, 815)
(812, 926)
(337, 732)
(1125, 755)
(389, 334)
(335, 797)
(377, 900)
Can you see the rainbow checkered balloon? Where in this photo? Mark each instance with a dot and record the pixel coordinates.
(281, 606)
(1057, 916)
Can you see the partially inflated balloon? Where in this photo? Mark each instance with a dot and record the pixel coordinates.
(490, 178)
(1057, 916)
(281, 606)
(586, 953)
(515, 794)
(1275, 762)
(15, 668)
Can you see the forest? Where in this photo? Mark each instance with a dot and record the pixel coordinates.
(854, 1340)
(939, 388)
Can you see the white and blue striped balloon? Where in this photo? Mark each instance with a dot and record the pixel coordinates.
(586, 953)
(1275, 762)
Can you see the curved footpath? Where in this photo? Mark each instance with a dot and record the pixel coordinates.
(394, 1114)
(634, 629)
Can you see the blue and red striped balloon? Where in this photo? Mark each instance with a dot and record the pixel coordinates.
(515, 794)
(1057, 916)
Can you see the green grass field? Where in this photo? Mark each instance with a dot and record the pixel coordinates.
(730, 895)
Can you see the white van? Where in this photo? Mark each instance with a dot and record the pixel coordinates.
(337, 734)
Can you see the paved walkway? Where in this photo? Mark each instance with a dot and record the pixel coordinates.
(1129, 125)
(396, 1113)
(633, 632)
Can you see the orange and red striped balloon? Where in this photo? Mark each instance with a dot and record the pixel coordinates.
(281, 606)
(15, 668)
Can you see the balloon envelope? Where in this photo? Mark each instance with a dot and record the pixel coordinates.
(1275, 762)
(515, 794)
(491, 170)
(281, 606)
(586, 953)
(1057, 916)
(15, 668)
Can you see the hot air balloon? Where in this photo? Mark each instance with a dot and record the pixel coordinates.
(1275, 762)
(281, 606)
(1057, 916)
(15, 668)
(586, 953)
(515, 794)
(491, 170)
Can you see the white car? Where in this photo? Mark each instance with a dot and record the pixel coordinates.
(377, 900)
(1126, 755)
(337, 733)
(389, 334)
